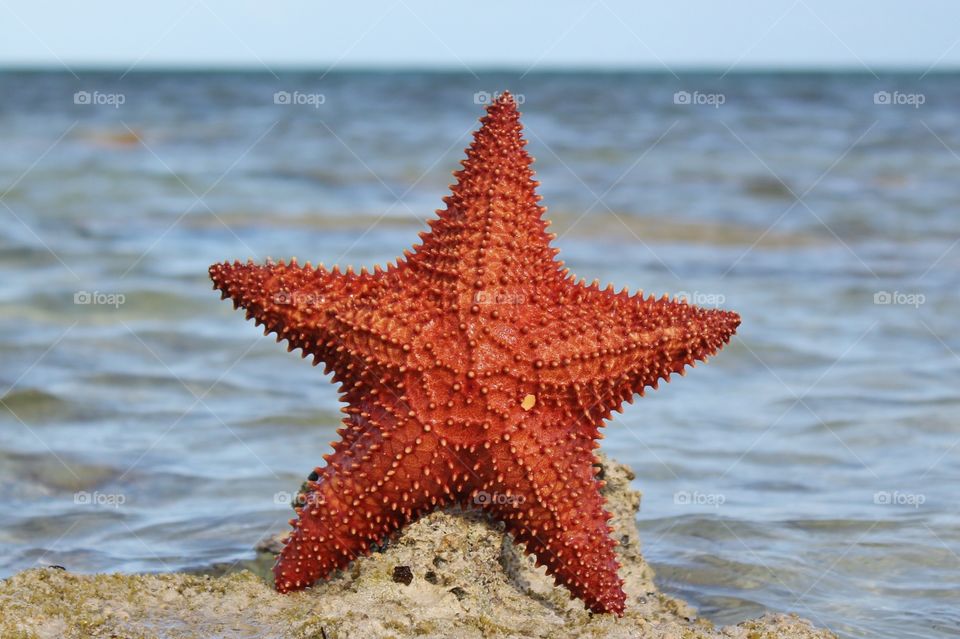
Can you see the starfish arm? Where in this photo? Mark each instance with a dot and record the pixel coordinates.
(384, 473)
(549, 498)
(288, 299)
(341, 319)
(491, 237)
(634, 343)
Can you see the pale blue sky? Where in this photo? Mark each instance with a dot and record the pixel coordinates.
(603, 33)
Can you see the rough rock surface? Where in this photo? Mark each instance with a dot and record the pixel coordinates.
(452, 574)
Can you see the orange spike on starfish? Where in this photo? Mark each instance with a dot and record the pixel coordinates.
(474, 372)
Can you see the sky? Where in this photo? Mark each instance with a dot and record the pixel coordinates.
(855, 34)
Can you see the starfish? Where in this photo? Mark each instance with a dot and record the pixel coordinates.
(476, 371)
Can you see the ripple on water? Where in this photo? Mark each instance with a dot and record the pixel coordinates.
(34, 405)
(37, 474)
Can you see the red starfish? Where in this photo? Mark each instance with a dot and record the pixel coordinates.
(475, 371)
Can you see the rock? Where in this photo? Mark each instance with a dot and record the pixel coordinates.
(452, 574)
(403, 575)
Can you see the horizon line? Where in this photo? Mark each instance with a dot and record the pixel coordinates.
(245, 67)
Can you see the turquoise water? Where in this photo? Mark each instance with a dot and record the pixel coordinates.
(811, 467)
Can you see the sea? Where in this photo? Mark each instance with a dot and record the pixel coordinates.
(811, 467)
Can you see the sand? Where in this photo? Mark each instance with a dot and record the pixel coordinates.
(452, 574)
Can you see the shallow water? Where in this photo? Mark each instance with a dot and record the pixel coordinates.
(810, 467)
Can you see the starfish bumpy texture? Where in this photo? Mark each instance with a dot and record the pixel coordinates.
(475, 371)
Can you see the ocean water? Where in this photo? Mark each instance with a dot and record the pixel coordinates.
(811, 467)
